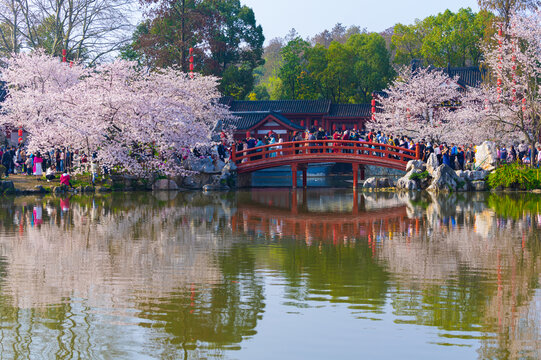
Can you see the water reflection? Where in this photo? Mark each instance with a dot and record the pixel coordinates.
(194, 276)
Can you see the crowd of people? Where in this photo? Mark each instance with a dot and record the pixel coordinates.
(49, 165)
(456, 156)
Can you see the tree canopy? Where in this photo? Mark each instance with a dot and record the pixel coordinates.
(225, 36)
(344, 72)
(444, 39)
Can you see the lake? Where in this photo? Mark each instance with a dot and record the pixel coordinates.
(271, 274)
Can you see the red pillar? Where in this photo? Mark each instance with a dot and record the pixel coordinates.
(355, 175)
(294, 176)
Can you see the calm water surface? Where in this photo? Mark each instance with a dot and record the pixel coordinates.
(271, 274)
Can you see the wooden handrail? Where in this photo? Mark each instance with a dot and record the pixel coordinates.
(351, 148)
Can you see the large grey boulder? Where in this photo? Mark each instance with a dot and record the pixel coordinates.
(486, 156)
(406, 183)
(377, 183)
(202, 165)
(446, 180)
(415, 164)
(164, 184)
(432, 164)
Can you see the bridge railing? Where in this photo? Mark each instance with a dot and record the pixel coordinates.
(323, 148)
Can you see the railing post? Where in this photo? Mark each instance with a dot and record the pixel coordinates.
(234, 153)
(417, 151)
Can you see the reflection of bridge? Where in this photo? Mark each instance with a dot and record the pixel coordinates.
(298, 154)
(296, 221)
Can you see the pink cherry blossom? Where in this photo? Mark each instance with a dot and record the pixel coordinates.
(134, 121)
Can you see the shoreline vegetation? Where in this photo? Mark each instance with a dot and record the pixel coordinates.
(506, 178)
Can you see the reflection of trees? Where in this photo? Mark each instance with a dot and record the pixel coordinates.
(176, 275)
(211, 318)
(468, 270)
(340, 273)
(114, 261)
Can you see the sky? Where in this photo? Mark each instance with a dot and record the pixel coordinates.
(310, 17)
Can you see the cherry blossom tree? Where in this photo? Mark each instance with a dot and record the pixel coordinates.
(134, 122)
(419, 105)
(509, 101)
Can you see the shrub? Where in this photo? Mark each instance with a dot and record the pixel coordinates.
(515, 176)
(419, 176)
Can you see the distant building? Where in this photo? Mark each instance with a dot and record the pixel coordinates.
(284, 117)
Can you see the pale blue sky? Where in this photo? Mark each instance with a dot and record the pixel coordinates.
(310, 17)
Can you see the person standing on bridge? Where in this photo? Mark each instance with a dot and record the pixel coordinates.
(271, 142)
(336, 136)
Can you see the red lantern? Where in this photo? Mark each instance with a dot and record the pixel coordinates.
(355, 126)
(333, 127)
(64, 54)
(499, 81)
(373, 110)
(373, 102)
(20, 140)
(315, 123)
(500, 32)
(191, 51)
(343, 127)
(248, 134)
(191, 67)
(20, 132)
(302, 123)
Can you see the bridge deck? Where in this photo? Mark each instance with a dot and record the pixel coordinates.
(299, 153)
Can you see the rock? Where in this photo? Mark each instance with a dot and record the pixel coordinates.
(432, 164)
(231, 166)
(415, 164)
(486, 156)
(204, 165)
(190, 183)
(6, 184)
(407, 184)
(88, 188)
(165, 184)
(103, 189)
(479, 185)
(39, 189)
(60, 189)
(478, 175)
(370, 183)
(446, 180)
(377, 183)
(219, 165)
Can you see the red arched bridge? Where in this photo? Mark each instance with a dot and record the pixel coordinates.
(298, 154)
